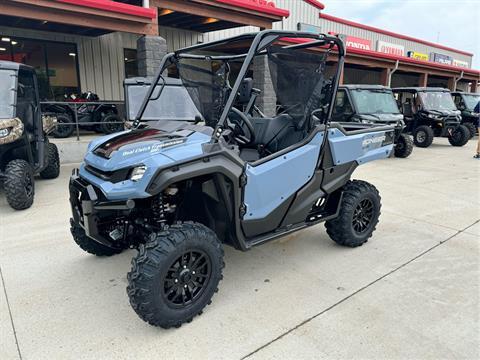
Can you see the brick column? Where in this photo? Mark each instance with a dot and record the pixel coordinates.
(385, 77)
(423, 81)
(474, 87)
(150, 51)
(451, 83)
(267, 100)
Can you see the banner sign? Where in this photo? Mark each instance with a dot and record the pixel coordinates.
(389, 48)
(308, 28)
(417, 55)
(441, 58)
(357, 43)
(460, 63)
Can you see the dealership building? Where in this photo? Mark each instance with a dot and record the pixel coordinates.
(93, 45)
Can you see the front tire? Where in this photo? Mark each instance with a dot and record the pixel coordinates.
(404, 146)
(423, 136)
(175, 274)
(19, 184)
(358, 217)
(64, 128)
(460, 136)
(53, 167)
(471, 128)
(111, 123)
(88, 244)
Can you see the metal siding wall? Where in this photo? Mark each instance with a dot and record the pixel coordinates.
(177, 38)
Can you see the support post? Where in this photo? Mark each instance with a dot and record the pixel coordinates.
(423, 81)
(267, 100)
(150, 51)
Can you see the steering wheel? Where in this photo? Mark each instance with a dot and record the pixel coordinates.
(235, 124)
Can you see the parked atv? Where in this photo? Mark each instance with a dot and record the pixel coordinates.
(178, 191)
(24, 147)
(97, 117)
(372, 104)
(468, 104)
(429, 113)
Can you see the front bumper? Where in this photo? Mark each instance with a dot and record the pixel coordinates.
(88, 207)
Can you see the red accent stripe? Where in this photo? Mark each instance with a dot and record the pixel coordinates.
(115, 7)
(252, 5)
(385, 32)
(316, 3)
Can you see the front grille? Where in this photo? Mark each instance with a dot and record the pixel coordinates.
(111, 176)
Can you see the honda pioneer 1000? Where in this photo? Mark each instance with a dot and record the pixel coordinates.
(469, 105)
(24, 147)
(372, 104)
(429, 113)
(177, 191)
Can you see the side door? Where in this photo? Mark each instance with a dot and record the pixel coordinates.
(28, 109)
(272, 183)
(343, 109)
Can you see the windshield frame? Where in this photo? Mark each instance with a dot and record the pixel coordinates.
(446, 93)
(10, 109)
(260, 41)
(355, 101)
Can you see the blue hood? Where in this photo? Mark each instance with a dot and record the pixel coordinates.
(150, 147)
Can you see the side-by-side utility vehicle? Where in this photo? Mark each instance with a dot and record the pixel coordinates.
(430, 112)
(24, 147)
(179, 190)
(372, 104)
(469, 105)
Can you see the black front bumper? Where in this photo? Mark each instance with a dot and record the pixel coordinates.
(89, 207)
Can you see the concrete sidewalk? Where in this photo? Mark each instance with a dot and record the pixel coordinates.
(411, 292)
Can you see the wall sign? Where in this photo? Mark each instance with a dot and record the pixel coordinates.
(441, 58)
(308, 28)
(263, 3)
(460, 63)
(417, 55)
(357, 43)
(389, 48)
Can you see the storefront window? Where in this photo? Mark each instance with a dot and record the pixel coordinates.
(131, 69)
(54, 63)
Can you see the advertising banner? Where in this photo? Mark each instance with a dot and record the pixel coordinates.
(308, 28)
(441, 58)
(460, 63)
(389, 48)
(357, 43)
(417, 55)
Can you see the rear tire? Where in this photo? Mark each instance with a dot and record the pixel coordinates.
(19, 184)
(107, 125)
(423, 136)
(63, 131)
(404, 146)
(460, 136)
(53, 167)
(88, 244)
(358, 217)
(471, 128)
(175, 274)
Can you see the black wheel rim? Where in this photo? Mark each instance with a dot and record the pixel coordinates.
(400, 145)
(187, 278)
(362, 216)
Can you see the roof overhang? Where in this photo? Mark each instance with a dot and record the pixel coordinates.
(100, 15)
(210, 15)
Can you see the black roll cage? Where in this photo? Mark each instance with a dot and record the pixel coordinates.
(260, 41)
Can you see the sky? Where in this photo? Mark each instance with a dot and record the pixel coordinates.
(453, 23)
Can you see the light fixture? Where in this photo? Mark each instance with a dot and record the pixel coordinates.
(165, 12)
(5, 39)
(72, 54)
(14, 43)
(3, 49)
(126, 59)
(210, 20)
(44, 22)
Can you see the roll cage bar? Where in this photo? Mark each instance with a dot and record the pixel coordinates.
(259, 43)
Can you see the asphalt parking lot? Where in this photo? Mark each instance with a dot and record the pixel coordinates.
(411, 292)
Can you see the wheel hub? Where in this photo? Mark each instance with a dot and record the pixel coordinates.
(363, 215)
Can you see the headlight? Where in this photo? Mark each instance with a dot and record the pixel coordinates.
(367, 121)
(4, 132)
(431, 116)
(138, 172)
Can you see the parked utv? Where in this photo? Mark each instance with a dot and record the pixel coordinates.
(98, 117)
(468, 104)
(24, 147)
(429, 113)
(372, 104)
(177, 191)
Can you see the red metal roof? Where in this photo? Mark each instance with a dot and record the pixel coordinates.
(315, 3)
(262, 6)
(114, 6)
(390, 33)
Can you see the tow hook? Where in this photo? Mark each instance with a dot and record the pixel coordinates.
(449, 131)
